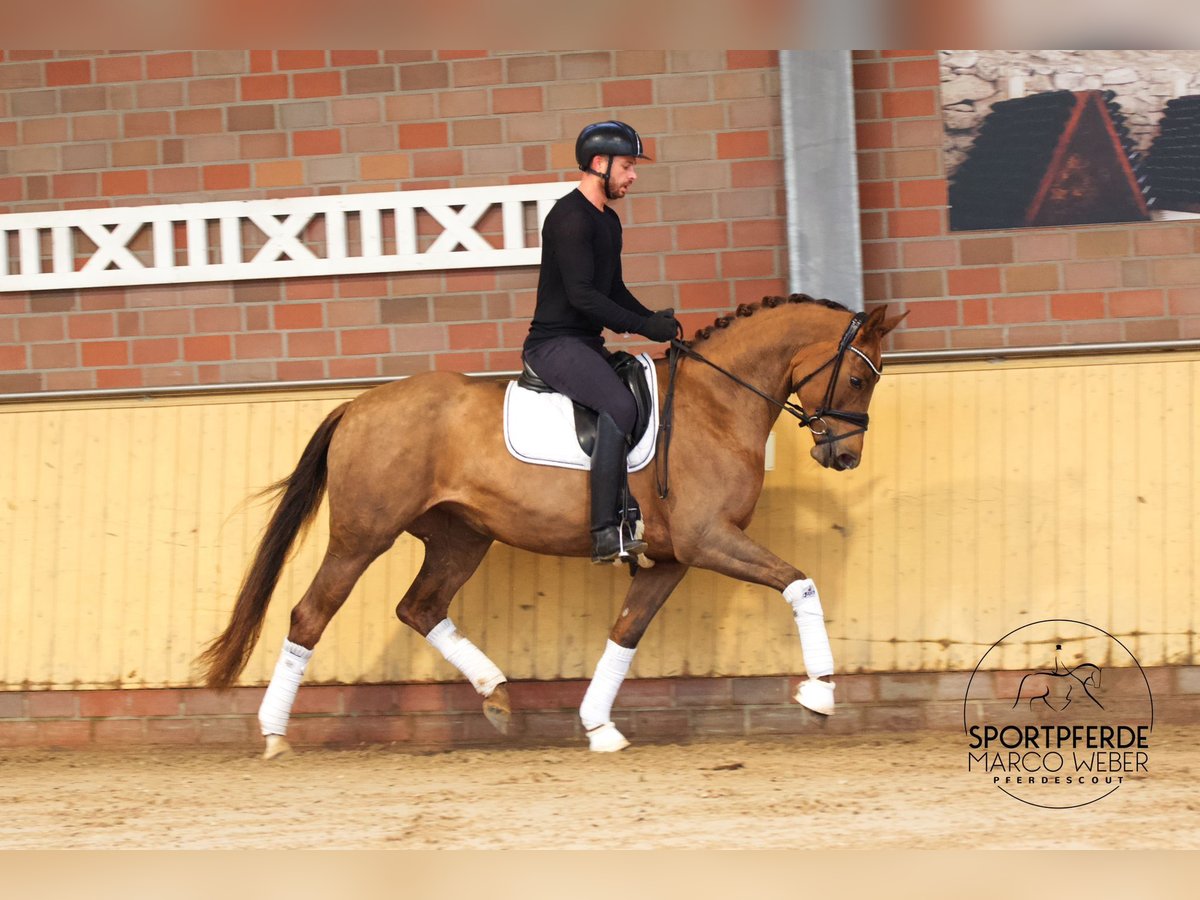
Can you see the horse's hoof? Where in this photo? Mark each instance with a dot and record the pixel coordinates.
(816, 695)
(498, 709)
(277, 747)
(606, 739)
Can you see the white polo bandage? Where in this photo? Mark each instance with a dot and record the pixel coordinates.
(466, 657)
(276, 707)
(596, 708)
(810, 620)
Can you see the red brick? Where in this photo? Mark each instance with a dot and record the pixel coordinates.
(366, 340)
(691, 266)
(147, 124)
(907, 104)
(151, 351)
(315, 143)
(198, 121)
(262, 60)
(743, 144)
(516, 100)
(263, 87)
(1135, 303)
(474, 337)
(300, 59)
(914, 223)
(750, 59)
(704, 295)
(871, 76)
(169, 65)
(748, 264)
(67, 72)
(258, 346)
(298, 315)
(877, 195)
(701, 236)
(758, 173)
(52, 704)
(302, 344)
(423, 135)
(119, 184)
(931, 313)
(930, 192)
(105, 353)
(973, 281)
(627, 93)
(207, 348)
(226, 178)
(873, 135)
(917, 73)
(179, 732)
(120, 378)
(942, 254)
(317, 84)
(126, 69)
(1077, 306)
(64, 734)
(1019, 308)
(353, 57)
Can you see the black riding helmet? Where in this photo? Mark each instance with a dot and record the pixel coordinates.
(609, 139)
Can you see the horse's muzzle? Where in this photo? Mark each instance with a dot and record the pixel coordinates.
(829, 456)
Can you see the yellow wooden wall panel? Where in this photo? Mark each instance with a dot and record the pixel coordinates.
(990, 495)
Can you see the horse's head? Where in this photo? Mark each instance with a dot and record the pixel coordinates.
(834, 380)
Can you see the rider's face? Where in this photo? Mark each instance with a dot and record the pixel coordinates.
(622, 176)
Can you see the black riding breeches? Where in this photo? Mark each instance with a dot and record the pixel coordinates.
(580, 369)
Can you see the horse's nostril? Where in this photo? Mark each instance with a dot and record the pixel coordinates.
(847, 460)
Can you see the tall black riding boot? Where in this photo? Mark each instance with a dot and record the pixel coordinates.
(607, 478)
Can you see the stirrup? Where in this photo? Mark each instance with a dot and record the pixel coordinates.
(625, 547)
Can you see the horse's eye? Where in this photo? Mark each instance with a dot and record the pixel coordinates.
(856, 382)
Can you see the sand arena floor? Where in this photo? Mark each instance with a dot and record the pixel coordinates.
(849, 791)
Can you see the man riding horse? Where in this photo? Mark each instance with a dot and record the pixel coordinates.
(580, 292)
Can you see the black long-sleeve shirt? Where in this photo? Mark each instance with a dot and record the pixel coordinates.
(580, 289)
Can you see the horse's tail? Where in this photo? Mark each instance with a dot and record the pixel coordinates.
(226, 655)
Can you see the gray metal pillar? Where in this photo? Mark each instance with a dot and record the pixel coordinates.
(824, 242)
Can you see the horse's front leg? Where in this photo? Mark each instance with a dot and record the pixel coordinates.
(647, 594)
(723, 547)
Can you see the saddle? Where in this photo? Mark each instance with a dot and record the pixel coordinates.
(631, 373)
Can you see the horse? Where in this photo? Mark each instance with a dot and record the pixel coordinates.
(426, 456)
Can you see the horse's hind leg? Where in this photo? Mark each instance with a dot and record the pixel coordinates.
(453, 551)
(647, 594)
(339, 572)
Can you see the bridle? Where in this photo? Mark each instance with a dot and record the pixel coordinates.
(811, 421)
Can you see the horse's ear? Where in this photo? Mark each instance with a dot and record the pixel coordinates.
(878, 323)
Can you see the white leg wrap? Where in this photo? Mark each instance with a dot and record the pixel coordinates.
(602, 691)
(276, 706)
(810, 620)
(466, 657)
(814, 643)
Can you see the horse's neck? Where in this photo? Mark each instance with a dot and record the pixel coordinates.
(759, 349)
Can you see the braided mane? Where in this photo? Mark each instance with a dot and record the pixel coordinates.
(748, 309)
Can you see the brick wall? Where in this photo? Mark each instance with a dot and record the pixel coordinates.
(704, 226)
(547, 712)
(1022, 287)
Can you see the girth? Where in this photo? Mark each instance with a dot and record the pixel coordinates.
(631, 373)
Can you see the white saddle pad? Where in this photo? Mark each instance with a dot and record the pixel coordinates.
(540, 428)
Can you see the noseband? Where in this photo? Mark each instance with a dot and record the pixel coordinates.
(814, 421)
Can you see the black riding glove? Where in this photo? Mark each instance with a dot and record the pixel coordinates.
(660, 326)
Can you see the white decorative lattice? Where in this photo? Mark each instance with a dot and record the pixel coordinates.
(300, 236)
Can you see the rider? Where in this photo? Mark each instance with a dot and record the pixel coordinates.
(580, 292)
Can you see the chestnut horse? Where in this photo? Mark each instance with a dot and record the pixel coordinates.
(426, 455)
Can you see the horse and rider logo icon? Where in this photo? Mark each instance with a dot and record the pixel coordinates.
(1060, 688)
